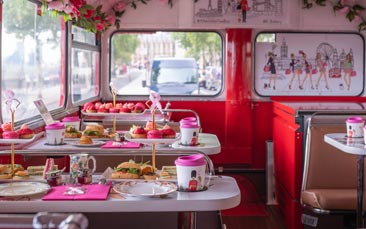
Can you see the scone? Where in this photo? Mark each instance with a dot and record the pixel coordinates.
(86, 140)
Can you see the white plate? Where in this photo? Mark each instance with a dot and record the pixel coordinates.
(128, 137)
(95, 143)
(23, 188)
(145, 188)
(20, 141)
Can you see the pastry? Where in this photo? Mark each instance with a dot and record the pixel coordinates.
(89, 107)
(86, 140)
(149, 126)
(168, 132)
(7, 126)
(10, 135)
(138, 132)
(138, 108)
(25, 132)
(154, 134)
(114, 110)
(150, 176)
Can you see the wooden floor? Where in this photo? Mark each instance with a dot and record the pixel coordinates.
(273, 220)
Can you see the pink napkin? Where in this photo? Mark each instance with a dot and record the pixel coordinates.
(112, 144)
(92, 192)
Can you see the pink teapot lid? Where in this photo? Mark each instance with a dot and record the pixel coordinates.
(190, 160)
(355, 120)
(55, 126)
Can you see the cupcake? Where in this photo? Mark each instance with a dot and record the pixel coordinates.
(6, 126)
(168, 132)
(25, 132)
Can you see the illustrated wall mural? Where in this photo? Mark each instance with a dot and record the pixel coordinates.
(310, 64)
(236, 13)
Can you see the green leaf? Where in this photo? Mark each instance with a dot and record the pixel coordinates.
(358, 7)
(351, 15)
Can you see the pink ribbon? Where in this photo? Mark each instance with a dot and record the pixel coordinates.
(10, 102)
(155, 101)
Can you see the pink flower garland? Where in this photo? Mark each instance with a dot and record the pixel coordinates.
(352, 11)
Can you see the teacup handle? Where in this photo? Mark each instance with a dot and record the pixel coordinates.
(94, 163)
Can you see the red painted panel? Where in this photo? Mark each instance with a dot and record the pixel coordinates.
(290, 209)
(288, 155)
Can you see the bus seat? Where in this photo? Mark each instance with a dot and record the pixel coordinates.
(330, 176)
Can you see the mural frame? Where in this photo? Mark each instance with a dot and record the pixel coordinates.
(309, 64)
(241, 13)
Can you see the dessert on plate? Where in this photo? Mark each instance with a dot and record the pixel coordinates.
(138, 132)
(154, 134)
(168, 132)
(25, 132)
(10, 135)
(86, 140)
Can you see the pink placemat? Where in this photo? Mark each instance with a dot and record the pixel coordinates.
(124, 144)
(92, 192)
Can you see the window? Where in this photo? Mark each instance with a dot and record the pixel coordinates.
(171, 63)
(85, 61)
(31, 58)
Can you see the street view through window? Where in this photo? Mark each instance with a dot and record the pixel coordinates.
(171, 63)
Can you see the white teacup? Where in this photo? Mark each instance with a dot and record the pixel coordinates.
(355, 127)
(191, 172)
(55, 133)
(79, 162)
(189, 133)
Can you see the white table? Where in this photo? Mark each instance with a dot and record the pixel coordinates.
(357, 147)
(223, 193)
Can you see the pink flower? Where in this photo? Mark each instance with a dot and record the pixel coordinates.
(56, 5)
(344, 10)
(119, 6)
(89, 13)
(111, 19)
(68, 9)
(357, 18)
(100, 26)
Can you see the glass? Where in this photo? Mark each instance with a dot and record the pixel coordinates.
(31, 57)
(171, 63)
(85, 74)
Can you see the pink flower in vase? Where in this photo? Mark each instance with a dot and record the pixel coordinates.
(56, 5)
(111, 19)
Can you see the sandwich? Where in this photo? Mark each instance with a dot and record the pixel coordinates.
(5, 170)
(127, 170)
(94, 131)
(21, 175)
(72, 132)
(38, 169)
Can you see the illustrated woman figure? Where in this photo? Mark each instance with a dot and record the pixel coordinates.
(322, 68)
(294, 71)
(348, 68)
(272, 70)
(307, 71)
